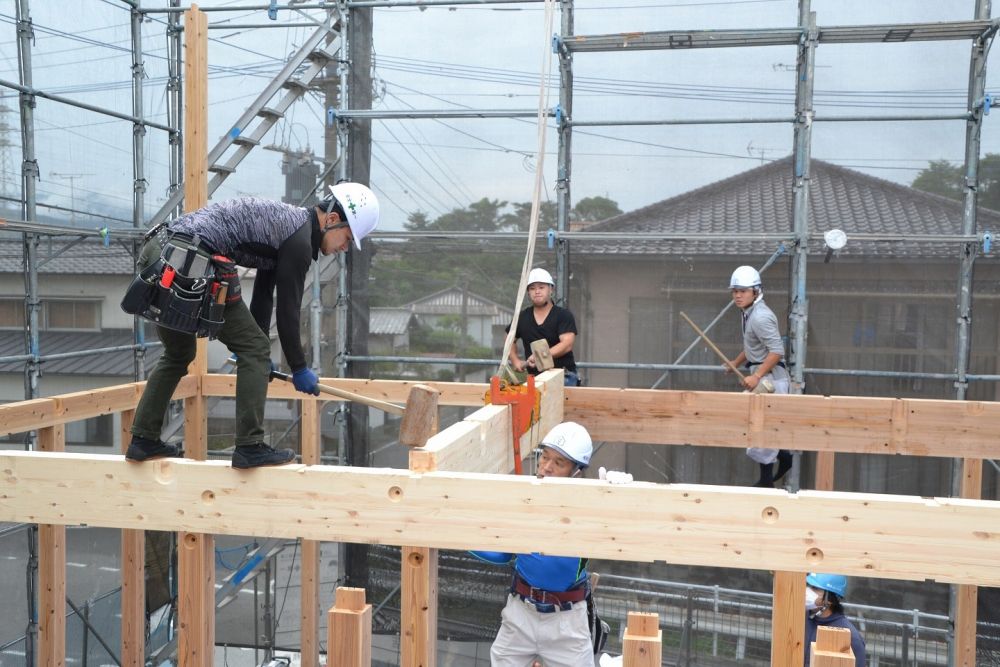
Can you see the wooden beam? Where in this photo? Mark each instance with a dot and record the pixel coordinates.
(133, 559)
(349, 629)
(824, 471)
(967, 595)
(850, 533)
(858, 425)
(788, 632)
(52, 572)
(196, 552)
(393, 391)
(642, 643)
(310, 447)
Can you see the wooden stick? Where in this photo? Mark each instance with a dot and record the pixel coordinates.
(712, 345)
(350, 396)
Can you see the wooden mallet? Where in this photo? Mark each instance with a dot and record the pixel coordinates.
(765, 386)
(420, 416)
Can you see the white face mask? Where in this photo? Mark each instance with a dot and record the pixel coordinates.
(813, 600)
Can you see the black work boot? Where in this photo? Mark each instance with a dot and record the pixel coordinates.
(766, 480)
(259, 454)
(144, 449)
(784, 464)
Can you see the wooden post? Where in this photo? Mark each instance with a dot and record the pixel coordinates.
(642, 645)
(419, 593)
(196, 552)
(832, 648)
(52, 572)
(310, 446)
(966, 595)
(418, 582)
(824, 471)
(788, 625)
(133, 623)
(349, 630)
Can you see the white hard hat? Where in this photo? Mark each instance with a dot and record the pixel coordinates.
(540, 276)
(744, 277)
(572, 441)
(360, 205)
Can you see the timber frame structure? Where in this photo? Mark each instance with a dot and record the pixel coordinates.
(457, 494)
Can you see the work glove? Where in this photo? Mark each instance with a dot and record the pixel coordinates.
(306, 381)
(614, 476)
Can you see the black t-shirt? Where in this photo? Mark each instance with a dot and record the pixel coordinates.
(559, 321)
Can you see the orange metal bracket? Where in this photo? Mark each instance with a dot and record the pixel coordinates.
(525, 408)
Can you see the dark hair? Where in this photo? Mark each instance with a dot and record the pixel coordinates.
(833, 600)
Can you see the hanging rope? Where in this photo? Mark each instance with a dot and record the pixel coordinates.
(536, 196)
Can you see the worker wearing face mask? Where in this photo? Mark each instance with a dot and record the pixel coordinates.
(824, 593)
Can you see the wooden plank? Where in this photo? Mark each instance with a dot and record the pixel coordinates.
(419, 586)
(872, 535)
(94, 402)
(824, 471)
(550, 385)
(832, 648)
(52, 572)
(196, 552)
(788, 633)
(393, 391)
(349, 629)
(814, 423)
(966, 595)
(642, 643)
(133, 595)
(480, 443)
(310, 448)
(28, 415)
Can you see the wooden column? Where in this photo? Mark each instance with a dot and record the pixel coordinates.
(52, 572)
(133, 564)
(349, 630)
(196, 552)
(832, 648)
(966, 596)
(418, 582)
(824, 471)
(788, 626)
(642, 645)
(310, 447)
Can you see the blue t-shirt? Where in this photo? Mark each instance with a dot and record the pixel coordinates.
(548, 573)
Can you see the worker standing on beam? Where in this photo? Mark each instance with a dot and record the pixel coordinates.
(763, 356)
(545, 320)
(549, 616)
(824, 593)
(280, 241)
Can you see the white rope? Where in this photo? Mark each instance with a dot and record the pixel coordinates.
(536, 197)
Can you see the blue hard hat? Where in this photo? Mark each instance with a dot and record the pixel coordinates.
(834, 583)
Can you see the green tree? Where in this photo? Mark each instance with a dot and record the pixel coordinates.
(595, 209)
(943, 178)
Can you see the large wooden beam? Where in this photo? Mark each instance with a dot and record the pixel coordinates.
(788, 633)
(52, 572)
(967, 595)
(349, 629)
(872, 535)
(309, 635)
(642, 643)
(858, 425)
(133, 570)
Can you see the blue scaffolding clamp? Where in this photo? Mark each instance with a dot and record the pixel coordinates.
(331, 116)
(558, 113)
(556, 43)
(550, 237)
(105, 233)
(987, 103)
(987, 242)
(272, 10)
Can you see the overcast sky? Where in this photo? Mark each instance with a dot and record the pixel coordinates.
(489, 57)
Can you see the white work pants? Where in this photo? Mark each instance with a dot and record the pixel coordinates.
(767, 455)
(557, 639)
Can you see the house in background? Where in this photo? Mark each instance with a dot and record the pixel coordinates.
(389, 330)
(476, 316)
(887, 306)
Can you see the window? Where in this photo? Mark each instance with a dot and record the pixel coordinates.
(12, 314)
(56, 314)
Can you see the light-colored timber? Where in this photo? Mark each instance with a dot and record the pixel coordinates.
(642, 643)
(349, 629)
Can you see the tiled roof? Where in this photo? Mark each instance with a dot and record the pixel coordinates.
(57, 342)
(760, 201)
(449, 302)
(85, 257)
(389, 321)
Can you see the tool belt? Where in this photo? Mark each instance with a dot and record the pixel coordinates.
(560, 599)
(186, 289)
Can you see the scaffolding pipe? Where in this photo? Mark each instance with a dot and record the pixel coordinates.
(139, 182)
(414, 114)
(33, 92)
(775, 237)
(780, 119)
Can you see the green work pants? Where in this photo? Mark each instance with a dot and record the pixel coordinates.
(241, 334)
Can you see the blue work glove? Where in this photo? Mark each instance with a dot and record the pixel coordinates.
(306, 381)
